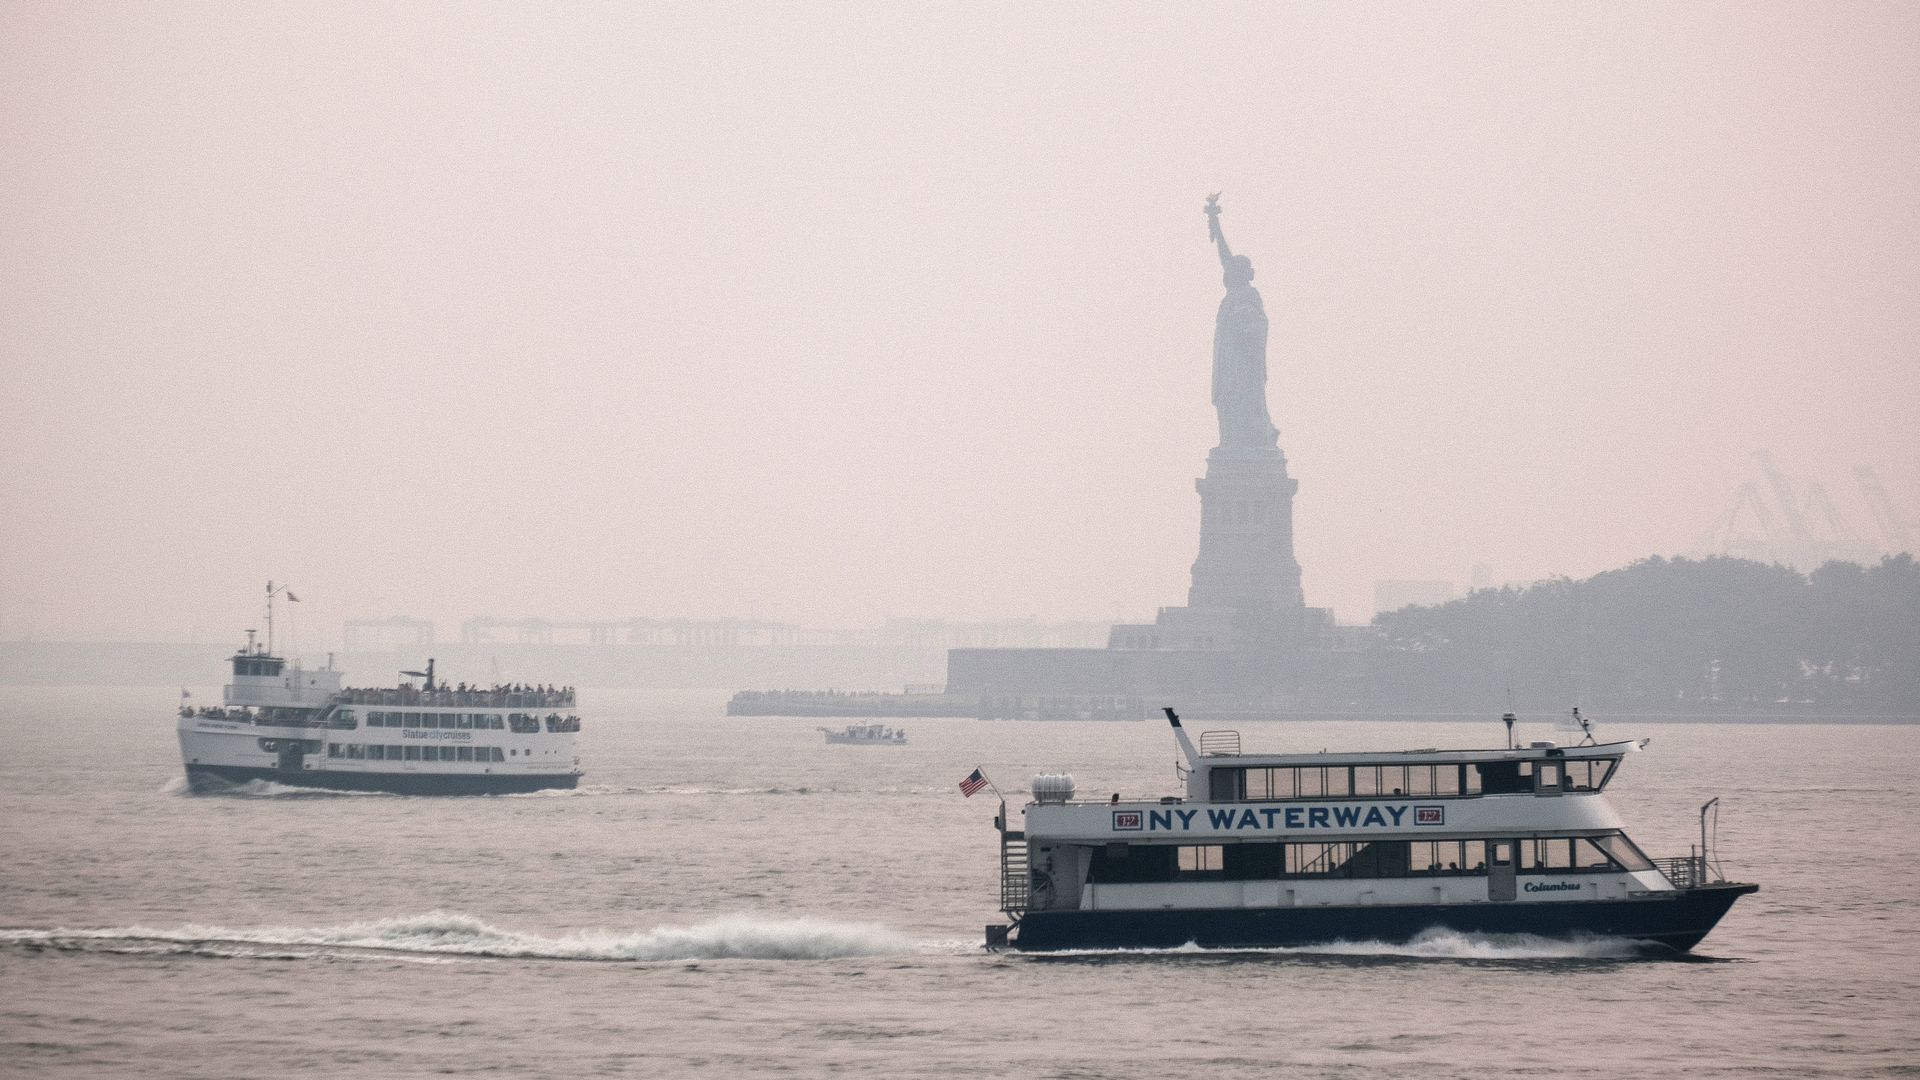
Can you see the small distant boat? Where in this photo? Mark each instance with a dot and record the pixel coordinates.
(867, 735)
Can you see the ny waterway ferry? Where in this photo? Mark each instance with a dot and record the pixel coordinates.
(287, 724)
(1297, 849)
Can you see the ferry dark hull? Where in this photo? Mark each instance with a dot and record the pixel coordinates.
(1677, 921)
(214, 778)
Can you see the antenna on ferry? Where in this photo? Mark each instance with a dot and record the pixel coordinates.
(1586, 726)
(271, 593)
(1508, 720)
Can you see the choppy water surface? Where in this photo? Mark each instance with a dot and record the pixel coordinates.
(735, 897)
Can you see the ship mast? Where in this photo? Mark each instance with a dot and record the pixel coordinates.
(271, 592)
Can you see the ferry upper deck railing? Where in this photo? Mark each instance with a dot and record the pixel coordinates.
(526, 698)
(1220, 744)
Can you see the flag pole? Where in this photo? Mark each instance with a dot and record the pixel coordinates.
(990, 783)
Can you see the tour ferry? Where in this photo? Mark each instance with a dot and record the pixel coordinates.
(1294, 849)
(299, 726)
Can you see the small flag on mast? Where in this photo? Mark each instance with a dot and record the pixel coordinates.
(292, 599)
(974, 782)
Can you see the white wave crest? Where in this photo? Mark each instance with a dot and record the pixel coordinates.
(442, 934)
(1436, 944)
(264, 789)
(1455, 945)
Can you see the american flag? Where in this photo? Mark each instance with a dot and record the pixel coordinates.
(974, 782)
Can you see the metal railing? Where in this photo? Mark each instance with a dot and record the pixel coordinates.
(1219, 744)
(1015, 873)
(1685, 871)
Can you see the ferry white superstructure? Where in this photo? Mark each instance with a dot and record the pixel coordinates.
(1290, 849)
(284, 723)
(867, 735)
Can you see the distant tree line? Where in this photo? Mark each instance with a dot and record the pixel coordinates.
(1666, 635)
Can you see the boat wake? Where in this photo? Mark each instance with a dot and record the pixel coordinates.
(264, 789)
(1435, 944)
(442, 936)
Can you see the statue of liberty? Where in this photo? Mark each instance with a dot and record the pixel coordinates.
(1239, 350)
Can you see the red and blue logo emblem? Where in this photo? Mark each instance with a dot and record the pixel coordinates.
(1429, 815)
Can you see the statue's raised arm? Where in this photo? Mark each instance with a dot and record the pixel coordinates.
(1213, 229)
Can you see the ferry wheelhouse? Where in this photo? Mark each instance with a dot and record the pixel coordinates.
(1294, 849)
(291, 725)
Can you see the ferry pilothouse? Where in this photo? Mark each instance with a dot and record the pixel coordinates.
(1295, 849)
(284, 723)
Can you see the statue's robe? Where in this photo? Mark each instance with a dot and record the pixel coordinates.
(1240, 371)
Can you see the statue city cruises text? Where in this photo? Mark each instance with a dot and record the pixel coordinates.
(1295, 849)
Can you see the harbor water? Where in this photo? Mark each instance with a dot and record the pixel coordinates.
(734, 897)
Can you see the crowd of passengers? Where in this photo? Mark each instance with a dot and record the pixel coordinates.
(522, 695)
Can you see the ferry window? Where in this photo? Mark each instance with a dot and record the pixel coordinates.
(1259, 784)
(1588, 856)
(395, 753)
(1339, 782)
(1424, 857)
(1223, 785)
(346, 718)
(465, 719)
(1381, 859)
(1393, 779)
(376, 752)
(494, 722)
(1311, 786)
(1446, 780)
(1473, 856)
(1419, 780)
(356, 750)
(1124, 864)
(413, 752)
(1200, 860)
(1286, 783)
(446, 754)
(1547, 777)
(411, 719)
(1622, 851)
(497, 756)
(1252, 862)
(1366, 780)
(1502, 777)
(333, 749)
(1590, 775)
(465, 753)
(1553, 854)
(1317, 860)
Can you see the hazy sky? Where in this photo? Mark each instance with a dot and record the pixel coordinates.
(831, 312)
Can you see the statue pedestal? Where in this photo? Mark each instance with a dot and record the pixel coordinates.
(1246, 561)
